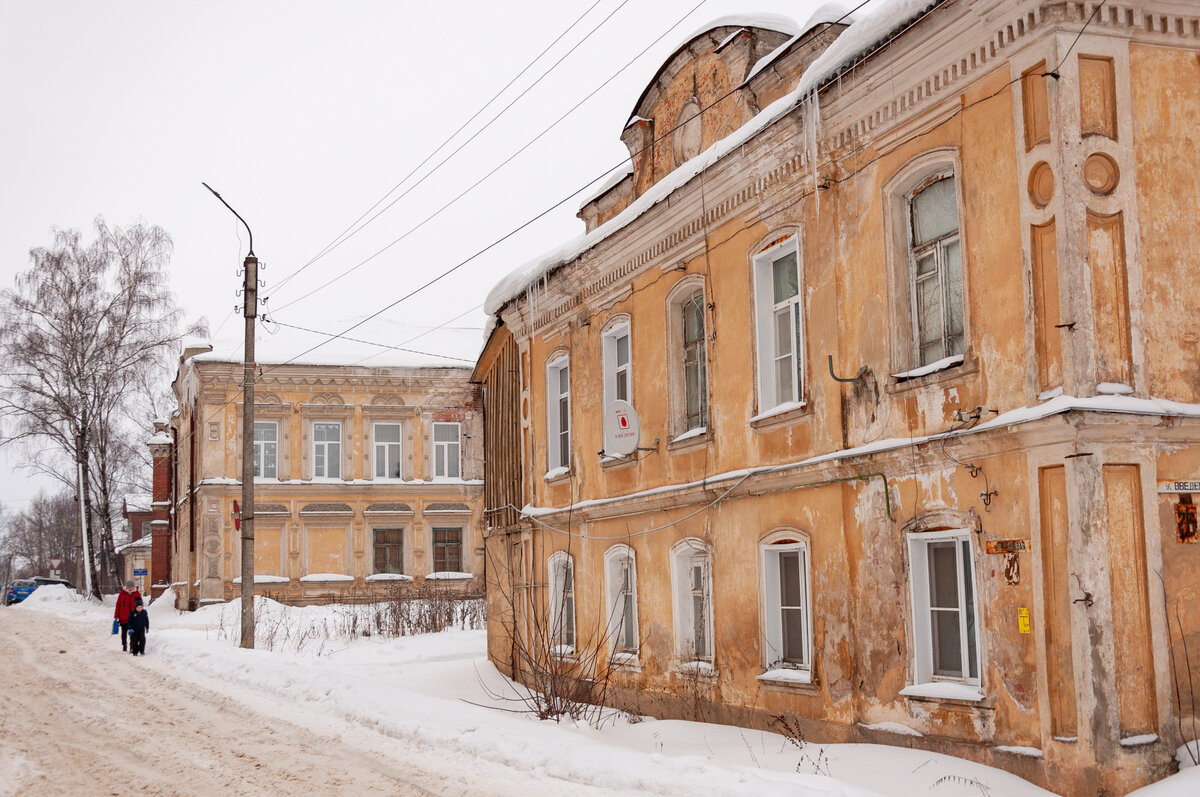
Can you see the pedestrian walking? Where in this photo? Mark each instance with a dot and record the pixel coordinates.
(139, 626)
(125, 601)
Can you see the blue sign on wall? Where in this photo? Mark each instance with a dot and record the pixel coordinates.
(139, 571)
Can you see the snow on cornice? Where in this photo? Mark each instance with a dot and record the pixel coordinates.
(860, 37)
(1111, 404)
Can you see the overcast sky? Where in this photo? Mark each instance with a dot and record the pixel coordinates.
(303, 115)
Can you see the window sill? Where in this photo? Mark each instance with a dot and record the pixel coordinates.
(783, 676)
(945, 690)
(692, 438)
(564, 653)
(557, 475)
(625, 662)
(449, 575)
(788, 411)
(701, 671)
(897, 383)
(943, 364)
(388, 577)
(612, 462)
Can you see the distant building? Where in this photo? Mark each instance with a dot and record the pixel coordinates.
(906, 313)
(136, 556)
(366, 477)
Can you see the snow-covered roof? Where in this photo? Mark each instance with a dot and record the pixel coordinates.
(775, 22)
(826, 14)
(860, 37)
(159, 439)
(614, 178)
(141, 542)
(378, 343)
(137, 502)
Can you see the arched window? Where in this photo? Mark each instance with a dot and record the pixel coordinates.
(562, 602)
(691, 578)
(779, 316)
(935, 270)
(558, 413)
(620, 582)
(787, 606)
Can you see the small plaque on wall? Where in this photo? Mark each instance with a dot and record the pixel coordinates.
(1007, 546)
(1185, 523)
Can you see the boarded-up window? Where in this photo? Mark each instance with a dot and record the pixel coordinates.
(447, 550)
(389, 549)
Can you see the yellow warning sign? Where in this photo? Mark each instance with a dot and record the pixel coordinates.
(1023, 620)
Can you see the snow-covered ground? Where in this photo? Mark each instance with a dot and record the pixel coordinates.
(439, 692)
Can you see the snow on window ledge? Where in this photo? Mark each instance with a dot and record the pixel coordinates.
(389, 577)
(556, 473)
(1138, 741)
(563, 652)
(891, 727)
(787, 408)
(1046, 395)
(785, 675)
(700, 670)
(1032, 752)
(449, 575)
(932, 368)
(690, 433)
(625, 661)
(327, 577)
(944, 690)
(1113, 389)
(263, 579)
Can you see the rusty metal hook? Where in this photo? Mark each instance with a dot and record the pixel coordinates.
(856, 378)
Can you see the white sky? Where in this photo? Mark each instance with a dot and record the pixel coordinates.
(302, 114)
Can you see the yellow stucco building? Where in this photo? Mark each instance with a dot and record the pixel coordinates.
(365, 478)
(905, 311)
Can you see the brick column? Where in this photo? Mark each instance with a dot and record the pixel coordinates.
(160, 518)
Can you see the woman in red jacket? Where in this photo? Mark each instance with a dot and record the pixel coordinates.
(125, 601)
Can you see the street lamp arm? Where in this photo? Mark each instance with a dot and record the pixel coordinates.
(234, 212)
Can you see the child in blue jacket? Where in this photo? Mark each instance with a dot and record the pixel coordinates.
(139, 626)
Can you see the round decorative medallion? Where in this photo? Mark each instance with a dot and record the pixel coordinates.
(1041, 184)
(1101, 174)
(686, 140)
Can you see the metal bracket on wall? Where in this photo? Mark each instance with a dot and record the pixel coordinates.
(856, 378)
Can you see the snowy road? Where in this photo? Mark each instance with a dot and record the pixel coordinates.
(78, 717)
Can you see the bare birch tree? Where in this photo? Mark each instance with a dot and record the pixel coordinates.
(82, 332)
(47, 529)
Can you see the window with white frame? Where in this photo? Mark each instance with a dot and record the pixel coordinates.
(266, 449)
(620, 581)
(691, 578)
(945, 621)
(695, 365)
(780, 322)
(618, 373)
(387, 450)
(935, 270)
(786, 603)
(558, 412)
(447, 451)
(327, 450)
(562, 602)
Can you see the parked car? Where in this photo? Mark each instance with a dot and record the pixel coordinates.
(44, 580)
(19, 590)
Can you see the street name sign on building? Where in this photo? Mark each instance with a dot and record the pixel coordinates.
(139, 571)
(1179, 486)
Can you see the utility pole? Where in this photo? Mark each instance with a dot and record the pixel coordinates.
(85, 561)
(250, 310)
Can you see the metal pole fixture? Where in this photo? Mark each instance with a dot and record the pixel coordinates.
(250, 311)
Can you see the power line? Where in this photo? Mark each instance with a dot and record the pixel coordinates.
(502, 164)
(343, 236)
